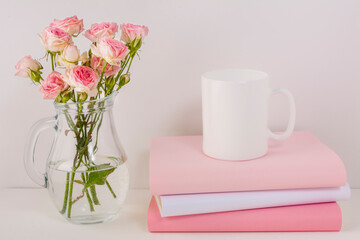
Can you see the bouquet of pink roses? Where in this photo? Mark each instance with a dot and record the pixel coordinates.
(83, 79)
(92, 74)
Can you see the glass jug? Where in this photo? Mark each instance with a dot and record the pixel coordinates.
(86, 172)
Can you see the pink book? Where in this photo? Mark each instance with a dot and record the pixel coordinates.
(178, 166)
(300, 218)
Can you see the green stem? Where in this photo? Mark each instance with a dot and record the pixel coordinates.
(70, 193)
(66, 194)
(123, 65)
(94, 195)
(87, 194)
(52, 61)
(97, 131)
(89, 200)
(103, 70)
(111, 190)
(132, 58)
(71, 186)
(101, 77)
(125, 62)
(83, 134)
(70, 122)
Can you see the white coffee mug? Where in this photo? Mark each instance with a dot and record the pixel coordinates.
(235, 114)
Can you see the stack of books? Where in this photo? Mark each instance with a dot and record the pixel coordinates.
(293, 188)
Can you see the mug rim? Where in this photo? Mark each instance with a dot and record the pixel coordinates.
(209, 75)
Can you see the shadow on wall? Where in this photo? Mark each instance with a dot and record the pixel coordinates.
(189, 120)
(140, 168)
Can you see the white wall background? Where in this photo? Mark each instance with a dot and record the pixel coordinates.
(309, 47)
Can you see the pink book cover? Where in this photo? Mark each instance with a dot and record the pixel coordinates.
(178, 166)
(300, 218)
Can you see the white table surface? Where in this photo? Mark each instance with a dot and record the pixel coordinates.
(29, 214)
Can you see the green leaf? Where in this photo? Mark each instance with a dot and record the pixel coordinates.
(35, 76)
(98, 174)
(79, 182)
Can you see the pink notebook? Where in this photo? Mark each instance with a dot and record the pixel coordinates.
(178, 166)
(300, 218)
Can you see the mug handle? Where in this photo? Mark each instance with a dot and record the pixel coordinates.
(29, 153)
(291, 123)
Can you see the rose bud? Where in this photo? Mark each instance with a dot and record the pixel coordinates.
(69, 57)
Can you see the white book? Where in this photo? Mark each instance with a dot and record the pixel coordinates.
(187, 204)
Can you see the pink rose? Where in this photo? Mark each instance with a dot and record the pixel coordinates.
(69, 57)
(53, 85)
(130, 32)
(113, 51)
(97, 63)
(26, 64)
(100, 30)
(83, 79)
(55, 39)
(71, 25)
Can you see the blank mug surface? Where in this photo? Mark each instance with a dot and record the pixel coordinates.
(235, 109)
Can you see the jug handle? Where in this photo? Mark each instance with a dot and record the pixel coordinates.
(29, 153)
